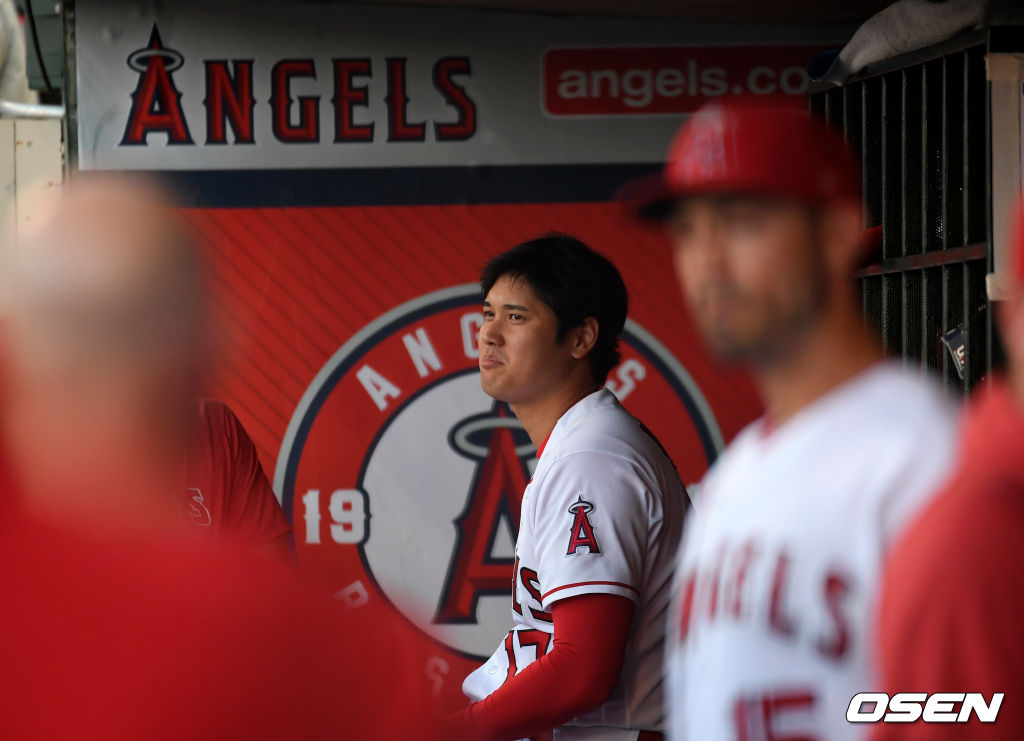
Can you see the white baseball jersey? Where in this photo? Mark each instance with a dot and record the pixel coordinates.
(602, 515)
(772, 622)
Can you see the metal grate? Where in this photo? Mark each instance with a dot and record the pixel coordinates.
(921, 133)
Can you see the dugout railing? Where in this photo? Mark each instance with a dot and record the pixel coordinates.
(921, 126)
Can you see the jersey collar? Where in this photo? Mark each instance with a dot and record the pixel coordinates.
(540, 449)
(598, 398)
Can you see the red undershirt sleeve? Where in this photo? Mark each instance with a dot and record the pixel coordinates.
(579, 672)
(252, 512)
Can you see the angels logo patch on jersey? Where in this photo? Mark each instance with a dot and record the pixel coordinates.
(193, 506)
(581, 534)
(404, 481)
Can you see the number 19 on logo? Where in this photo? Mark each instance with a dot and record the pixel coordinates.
(347, 509)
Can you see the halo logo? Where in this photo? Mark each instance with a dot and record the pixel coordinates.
(156, 102)
(404, 480)
(581, 534)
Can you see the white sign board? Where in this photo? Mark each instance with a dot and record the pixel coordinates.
(294, 85)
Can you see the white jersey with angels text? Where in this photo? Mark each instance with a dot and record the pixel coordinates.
(771, 627)
(602, 515)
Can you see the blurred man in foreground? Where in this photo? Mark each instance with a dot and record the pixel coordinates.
(952, 600)
(104, 357)
(115, 624)
(108, 351)
(772, 624)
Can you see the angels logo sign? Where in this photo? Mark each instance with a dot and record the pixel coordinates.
(404, 480)
(582, 532)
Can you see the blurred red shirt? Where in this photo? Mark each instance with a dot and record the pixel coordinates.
(953, 599)
(123, 637)
(226, 490)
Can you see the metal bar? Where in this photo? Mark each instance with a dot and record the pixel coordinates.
(886, 229)
(952, 213)
(846, 129)
(919, 56)
(864, 149)
(925, 339)
(904, 320)
(965, 205)
(12, 109)
(864, 182)
(925, 260)
(966, 307)
(926, 134)
(926, 138)
(70, 87)
(904, 290)
(903, 163)
(945, 208)
(990, 339)
(947, 376)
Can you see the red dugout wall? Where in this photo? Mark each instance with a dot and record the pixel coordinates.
(292, 284)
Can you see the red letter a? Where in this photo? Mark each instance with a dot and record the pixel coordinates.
(156, 102)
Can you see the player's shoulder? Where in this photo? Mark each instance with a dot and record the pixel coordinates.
(908, 396)
(216, 413)
(739, 457)
(598, 425)
(598, 434)
(885, 411)
(960, 518)
(977, 510)
(886, 415)
(903, 417)
(219, 421)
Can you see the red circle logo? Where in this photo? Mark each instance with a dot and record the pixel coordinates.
(403, 480)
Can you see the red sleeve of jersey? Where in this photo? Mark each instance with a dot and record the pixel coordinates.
(252, 512)
(578, 674)
(949, 618)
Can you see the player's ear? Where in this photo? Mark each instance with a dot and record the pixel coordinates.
(841, 237)
(583, 338)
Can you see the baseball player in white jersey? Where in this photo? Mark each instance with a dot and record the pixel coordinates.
(601, 517)
(770, 632)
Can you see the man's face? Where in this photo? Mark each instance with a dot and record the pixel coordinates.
(520, 358)
(102, 357)
(94, 417)
(751, 271)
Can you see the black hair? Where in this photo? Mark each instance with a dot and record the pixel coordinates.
(575, 282)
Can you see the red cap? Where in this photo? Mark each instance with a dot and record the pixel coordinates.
(751, 145)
